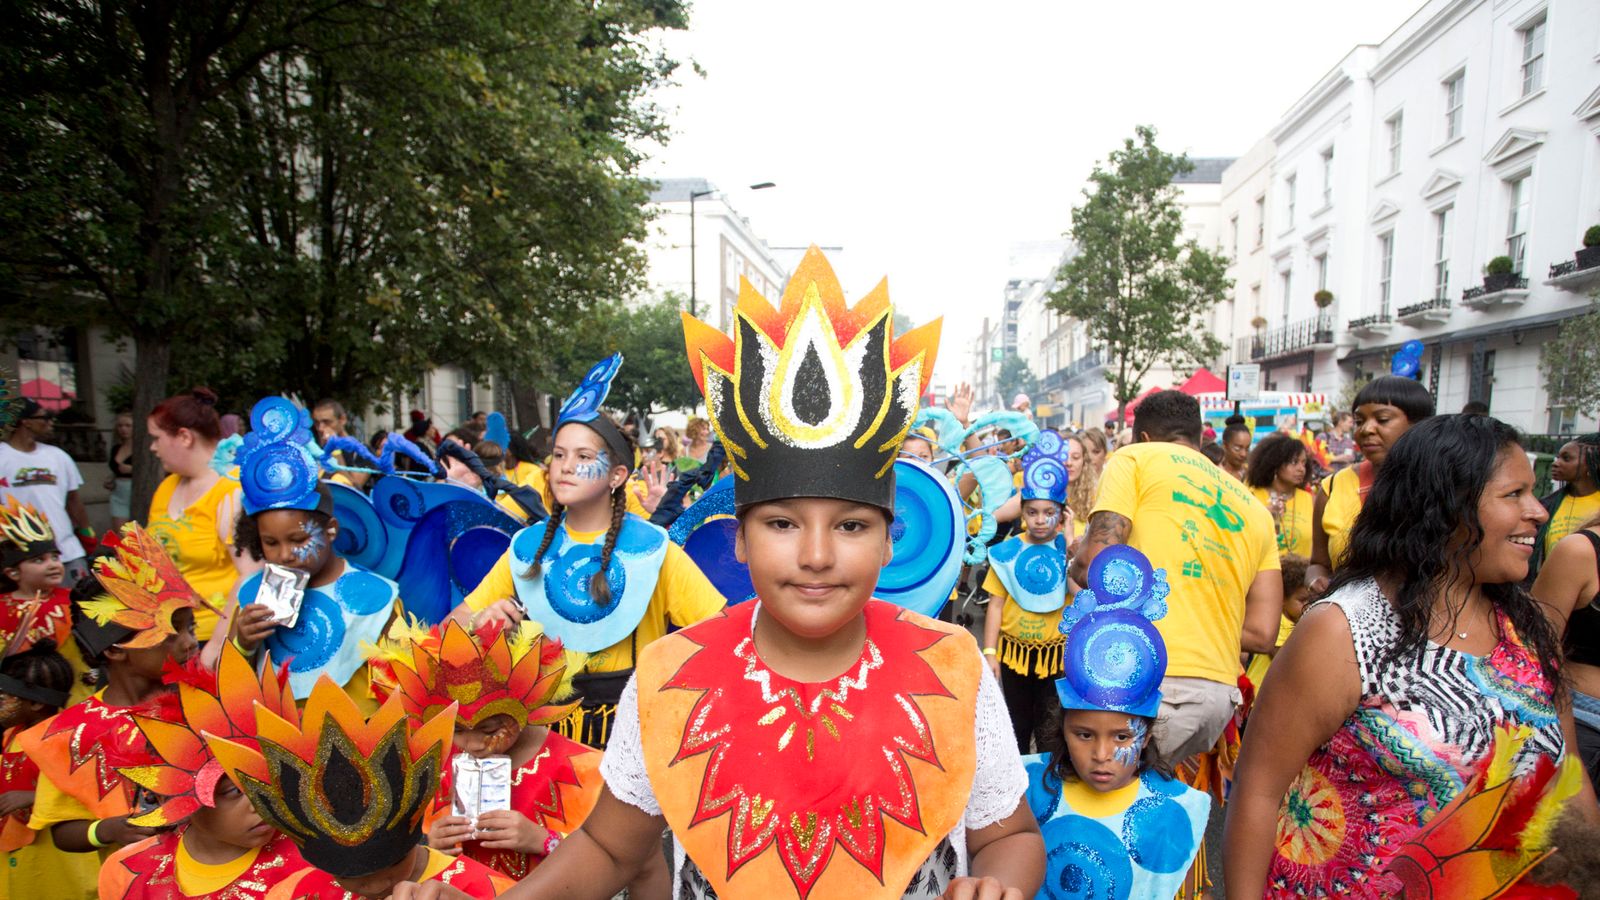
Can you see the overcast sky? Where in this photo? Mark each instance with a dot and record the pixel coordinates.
(924, 138)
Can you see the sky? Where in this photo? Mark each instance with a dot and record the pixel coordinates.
(925, 138)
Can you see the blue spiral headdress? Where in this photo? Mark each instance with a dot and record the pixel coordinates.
(276, 470)
(583, 407)
(1114, 657)
(1044, 469)
(1407, 360)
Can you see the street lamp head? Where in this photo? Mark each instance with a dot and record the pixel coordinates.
(762, 186)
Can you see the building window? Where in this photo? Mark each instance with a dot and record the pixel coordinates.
(1517, 223)
(1385, 271)
(1454, 95)
(1322, 272)
(1288, 287)
(1532, 56)
(1255, 300)
(1289, 192)
(1327, 177)
(1233, 228)
(1261, 220)
(1441, 254)
(1392, 129)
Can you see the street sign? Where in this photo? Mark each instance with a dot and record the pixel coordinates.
(1244, 382)
(997, 354)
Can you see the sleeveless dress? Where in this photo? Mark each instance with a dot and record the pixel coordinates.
(1421, 727)
(192, 541)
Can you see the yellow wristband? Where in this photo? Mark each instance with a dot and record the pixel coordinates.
(240, 647)
(94, 839)
(990, 651)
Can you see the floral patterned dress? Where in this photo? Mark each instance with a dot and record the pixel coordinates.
(1413, 741)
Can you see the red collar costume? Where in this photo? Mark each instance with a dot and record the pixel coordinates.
(777, 788)
(148, 871)
(17, 773)
(26, 534)
(494, 672)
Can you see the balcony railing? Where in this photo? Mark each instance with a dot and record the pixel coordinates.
(1059, 378)
(1286, 339)
(1513, 284)
(1565, 267)
(1376, 319)
(1436, 308)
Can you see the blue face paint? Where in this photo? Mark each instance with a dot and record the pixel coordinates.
(595, 469)
(316, 542)
(1129, 755)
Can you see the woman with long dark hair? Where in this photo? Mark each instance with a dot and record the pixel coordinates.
(1276, 476)
(1388, 696)
(1384, 410)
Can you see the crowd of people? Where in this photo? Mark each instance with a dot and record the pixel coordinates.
(1372, 653)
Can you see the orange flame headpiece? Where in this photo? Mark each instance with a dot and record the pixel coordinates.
(350, 791)
(220, 705)
(24, 533)
(491, 672)
(812, 399)
(143, 588)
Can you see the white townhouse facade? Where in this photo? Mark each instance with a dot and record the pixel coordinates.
(1485, 143)
(725, 247)
(1244, 216)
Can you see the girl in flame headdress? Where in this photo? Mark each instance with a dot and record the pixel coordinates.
(602, 580)
(351, 792)
(145, 620)
(36, 606)
(213, 843)
(1028, 587)
(814, 742)
(505, 685)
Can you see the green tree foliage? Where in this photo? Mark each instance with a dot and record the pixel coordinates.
(1139, 286)
(654, 375)
(1015, 378)
(324, 198)
(1570, 364)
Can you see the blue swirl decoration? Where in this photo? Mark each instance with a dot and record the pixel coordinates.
(362, 540)
(1085, 861)
(1114, 660)
(1041, 568)
(926, 532)
(584, 403)
(706, 532)
(567, 585)
(275, 471)
(315, 637)
(1120, 578)
(1158, 834)
(1407, 360)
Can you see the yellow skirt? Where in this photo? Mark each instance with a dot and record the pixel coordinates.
(40, 871)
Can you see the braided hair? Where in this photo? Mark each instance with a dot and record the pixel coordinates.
(599, 588)
(40, 665)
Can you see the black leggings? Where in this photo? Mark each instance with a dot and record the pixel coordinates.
(1028, 700)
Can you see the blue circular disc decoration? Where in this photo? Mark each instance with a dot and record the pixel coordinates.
(363, 593)
(314, 638)
(362, 538)
(1085, 861)
(1041, 567)
(276, 476)
(1119, 574)
(275, 419)
(1115, 660)
(928, 531)
(1158, 834)
(1049, 442)
(711, 548)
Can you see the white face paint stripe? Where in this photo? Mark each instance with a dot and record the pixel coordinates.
(595, 469)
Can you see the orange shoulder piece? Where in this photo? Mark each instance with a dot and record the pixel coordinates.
(80, 749)
(779, 788)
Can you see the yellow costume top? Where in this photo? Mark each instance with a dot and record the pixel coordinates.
(1569, 516)
(1345, 490)
(200, 542)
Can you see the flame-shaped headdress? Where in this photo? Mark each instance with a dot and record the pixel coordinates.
(220, 704)
(812, 399)
(491, 672)
(143, 588)
(350, 791)
(24, 533)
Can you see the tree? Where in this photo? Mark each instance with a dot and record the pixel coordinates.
(1139, 287)
(325, 197)
(654, 375)
(1570, 363)
(1015, 378)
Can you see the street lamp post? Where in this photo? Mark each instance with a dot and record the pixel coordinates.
(694, 282)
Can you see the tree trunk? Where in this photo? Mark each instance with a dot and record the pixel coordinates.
(152, 361)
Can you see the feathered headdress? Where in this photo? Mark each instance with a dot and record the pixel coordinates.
(350, 791)
(143, 588)
(491, 672)
(221, 704)
(1044, 469)
(1115, 658)
(24, 533)
(812, 399)
(583, 406)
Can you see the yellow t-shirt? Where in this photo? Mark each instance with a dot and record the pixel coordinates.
(71, 876)
(683, 596)
(199, 542)
(196, 879)
(1259, 662)
(1339, 513)
(1572, 513)
(1294, 531)
(1210, 535)
(1030, 642)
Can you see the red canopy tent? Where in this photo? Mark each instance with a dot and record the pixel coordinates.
(1203, 382)
(1127, 416)
(48, 394)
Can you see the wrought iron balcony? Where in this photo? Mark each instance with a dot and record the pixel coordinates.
(1496, 290)
(1059, 378)
(1565, 267)
(1287, 339)
(1377, 323)
(1435, 309)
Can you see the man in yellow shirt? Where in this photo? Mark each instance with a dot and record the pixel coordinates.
(1216, 543)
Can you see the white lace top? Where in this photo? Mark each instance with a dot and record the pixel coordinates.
(998, 783)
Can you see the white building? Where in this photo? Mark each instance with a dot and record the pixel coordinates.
(1243, 215)
(1485, 142)
(724, 247)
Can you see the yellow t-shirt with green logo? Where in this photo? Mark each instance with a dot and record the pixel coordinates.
(1211, 536)
(1569, 516)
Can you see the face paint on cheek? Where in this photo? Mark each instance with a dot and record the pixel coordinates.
(595, 469)
(1129, 755)
(316, 542)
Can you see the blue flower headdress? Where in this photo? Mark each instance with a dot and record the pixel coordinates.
(1114, 657)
